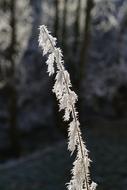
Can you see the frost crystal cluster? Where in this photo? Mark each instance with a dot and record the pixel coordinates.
(67, 99)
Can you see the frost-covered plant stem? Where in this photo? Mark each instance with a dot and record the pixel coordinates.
(67, 100)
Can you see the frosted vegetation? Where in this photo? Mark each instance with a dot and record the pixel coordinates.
(107, 17)
(104, 71)
(67, 100)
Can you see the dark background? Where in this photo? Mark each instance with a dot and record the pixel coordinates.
(33, 138)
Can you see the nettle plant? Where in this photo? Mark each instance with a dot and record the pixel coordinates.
(67, 100)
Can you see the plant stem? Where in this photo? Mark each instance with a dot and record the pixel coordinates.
(73, 115)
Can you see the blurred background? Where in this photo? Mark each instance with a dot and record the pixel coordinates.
(33, 138)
